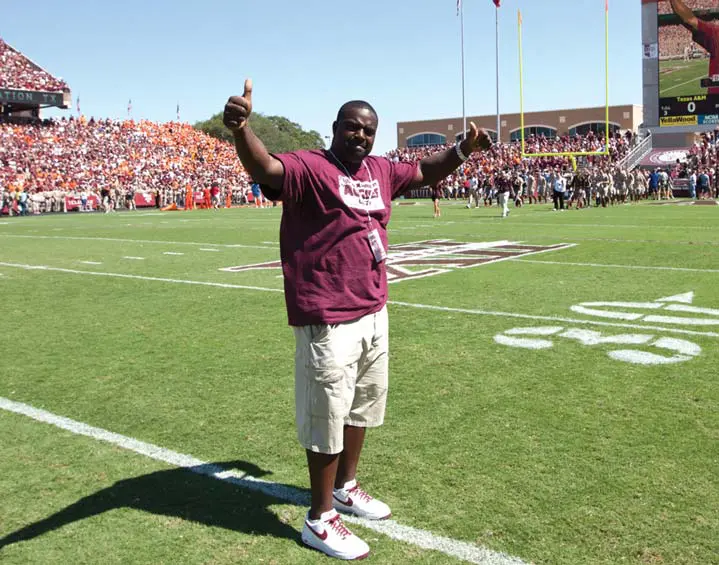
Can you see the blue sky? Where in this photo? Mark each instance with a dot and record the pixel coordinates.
(308, 57)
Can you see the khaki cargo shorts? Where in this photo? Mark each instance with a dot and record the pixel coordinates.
(340, 379)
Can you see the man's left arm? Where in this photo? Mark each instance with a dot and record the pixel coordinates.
(434, 168)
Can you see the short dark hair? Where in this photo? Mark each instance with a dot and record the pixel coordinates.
(355, 104)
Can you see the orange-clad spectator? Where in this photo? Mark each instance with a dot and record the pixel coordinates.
(189, 198)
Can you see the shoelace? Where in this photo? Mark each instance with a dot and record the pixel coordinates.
(359, 493)
(338, 526)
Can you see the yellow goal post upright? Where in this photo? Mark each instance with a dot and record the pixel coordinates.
(571, 154)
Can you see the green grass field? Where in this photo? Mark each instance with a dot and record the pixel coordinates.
(558, 455)
(682, 78)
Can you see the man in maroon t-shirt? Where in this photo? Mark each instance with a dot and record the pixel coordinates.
(705, 34)
(336, 205)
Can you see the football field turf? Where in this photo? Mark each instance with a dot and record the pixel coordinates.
(553, 390)
(682, 78)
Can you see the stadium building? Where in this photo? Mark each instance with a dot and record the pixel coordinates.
(550, 124)
(26, 88)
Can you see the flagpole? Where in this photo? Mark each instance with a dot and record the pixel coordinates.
(464, 114)
(521, 80)
(496, 34)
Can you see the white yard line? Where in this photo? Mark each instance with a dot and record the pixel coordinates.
(134, 258)
(137, 277)
(692, 81)
(472, 311)
(78, 238)
(392, 529)
(608, 266)
(630, 226)
(207, 249)
(91, 262)
(548, 318)
(172, 253)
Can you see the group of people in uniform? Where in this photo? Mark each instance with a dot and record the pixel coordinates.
(594, 185)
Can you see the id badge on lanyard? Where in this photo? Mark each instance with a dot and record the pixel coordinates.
(375, 243)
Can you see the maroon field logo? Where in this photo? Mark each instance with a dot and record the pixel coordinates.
(407, 261)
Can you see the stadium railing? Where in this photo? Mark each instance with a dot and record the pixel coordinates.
(635, 156)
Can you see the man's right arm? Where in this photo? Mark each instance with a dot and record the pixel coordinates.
(261, 166)
(687, 16)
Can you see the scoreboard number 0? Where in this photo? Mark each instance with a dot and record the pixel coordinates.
(691, 107)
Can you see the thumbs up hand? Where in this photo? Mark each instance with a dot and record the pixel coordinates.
(475, 139)
(238, 109)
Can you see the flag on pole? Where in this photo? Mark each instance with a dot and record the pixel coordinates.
(459, 6)
(497, 3)
(606, 5)
(129, 106)
(78, 105)
(178, 111)
(519, 16)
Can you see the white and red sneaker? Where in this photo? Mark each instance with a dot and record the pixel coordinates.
(353, 500)
(330, 536)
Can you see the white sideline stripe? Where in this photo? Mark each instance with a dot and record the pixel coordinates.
(393, 302)
(421, 538)
(138, 277)
(121, 240)
(641, 267)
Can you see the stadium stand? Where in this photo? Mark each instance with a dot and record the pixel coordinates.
(20, 73)
(154, 164)
(79, 164)
(25, 87)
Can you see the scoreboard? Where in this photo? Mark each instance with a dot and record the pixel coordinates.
(687, 50)
(698, 109)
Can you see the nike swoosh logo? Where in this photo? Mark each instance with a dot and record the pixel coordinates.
(348, 502)
(322, 536)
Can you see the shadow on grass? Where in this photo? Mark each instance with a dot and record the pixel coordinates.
(192, 493)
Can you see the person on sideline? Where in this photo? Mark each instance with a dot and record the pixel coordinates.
(336, 204)
(436, 197)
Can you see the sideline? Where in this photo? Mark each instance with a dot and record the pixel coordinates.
(392, 529)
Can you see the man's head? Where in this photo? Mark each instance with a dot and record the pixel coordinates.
(354, 131)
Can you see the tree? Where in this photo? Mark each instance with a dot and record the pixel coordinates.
(277, 133)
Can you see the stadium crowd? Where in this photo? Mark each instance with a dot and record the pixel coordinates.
(675, 41)
(485, 176)
(112, 165)
(664, 6)
(701, 167)
(18, 72)
(105, 162)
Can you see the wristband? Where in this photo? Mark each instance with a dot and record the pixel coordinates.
(461, 155)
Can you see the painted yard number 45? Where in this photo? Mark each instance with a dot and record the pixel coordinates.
(656, 350)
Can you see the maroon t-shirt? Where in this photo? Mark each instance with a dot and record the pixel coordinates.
(331, 275)
(707, 36)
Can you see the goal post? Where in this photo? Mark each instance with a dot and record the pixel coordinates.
(571, 154)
